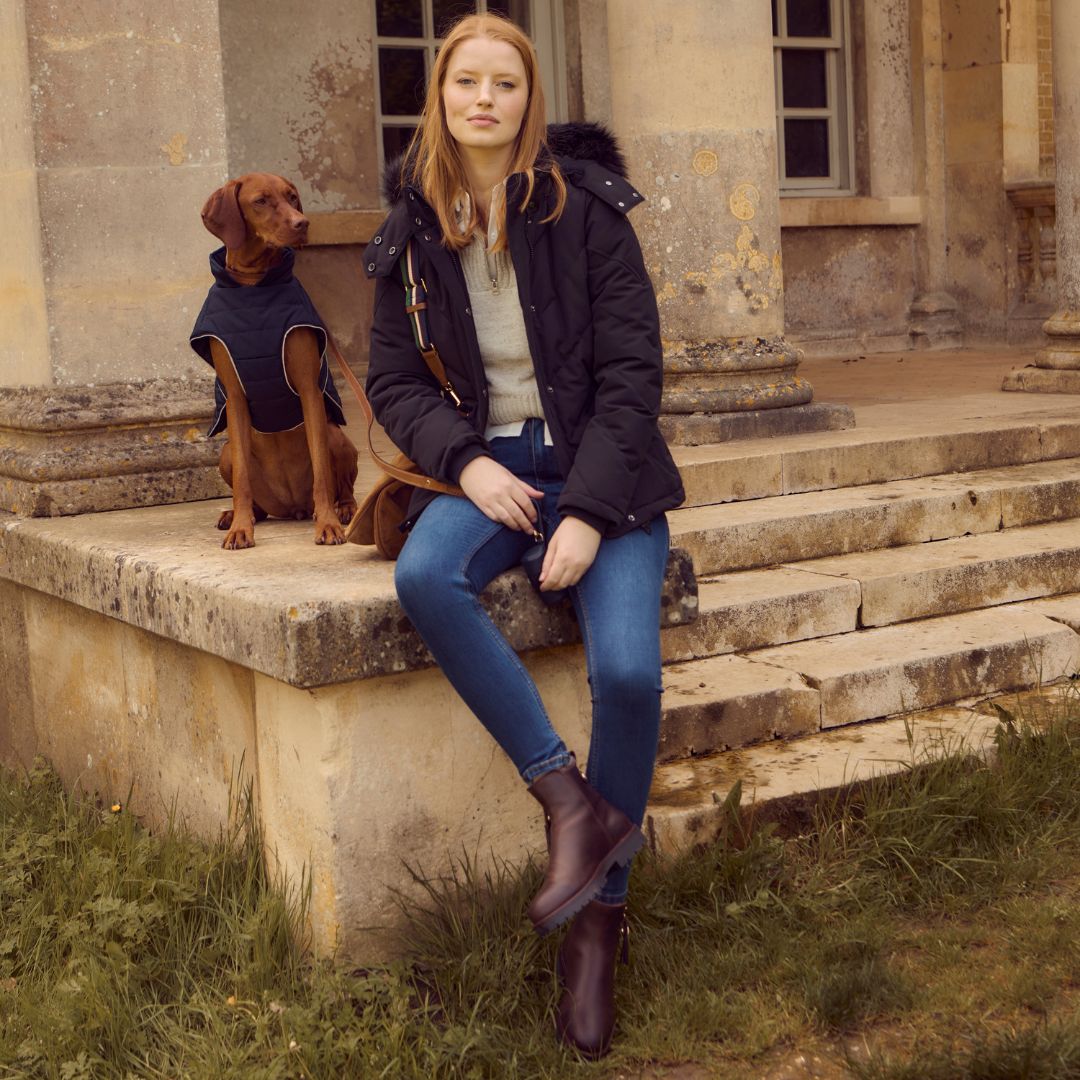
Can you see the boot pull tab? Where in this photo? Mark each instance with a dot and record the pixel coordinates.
(624, 933)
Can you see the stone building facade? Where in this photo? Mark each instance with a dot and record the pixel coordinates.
(831, 174)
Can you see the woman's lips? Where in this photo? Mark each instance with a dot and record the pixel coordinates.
(483, 121)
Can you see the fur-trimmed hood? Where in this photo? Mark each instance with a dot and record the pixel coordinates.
(588, 157)
(572, 143)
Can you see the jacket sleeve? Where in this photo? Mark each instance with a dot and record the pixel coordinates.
(627, 369)
(407, 400)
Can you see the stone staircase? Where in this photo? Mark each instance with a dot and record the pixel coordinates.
(859, 576)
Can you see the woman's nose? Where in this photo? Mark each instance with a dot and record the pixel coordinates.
(483, 94)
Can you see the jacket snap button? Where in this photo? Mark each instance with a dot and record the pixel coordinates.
(608, 182)
(532, 308)
(412, 197)
(622, 204)
(378, 240)
(393, 250)
(427, 236)
(419, 222)
(630, 517)
(371, 266)
(468, 311)
(551, 389)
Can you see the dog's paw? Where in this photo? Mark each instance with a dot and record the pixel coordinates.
(225, 521)
(329, 532)
(345, 512)
(239, 538)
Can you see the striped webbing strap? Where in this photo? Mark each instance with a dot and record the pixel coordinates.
(415, 299)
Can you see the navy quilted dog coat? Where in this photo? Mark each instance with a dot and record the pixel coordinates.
(252, 321)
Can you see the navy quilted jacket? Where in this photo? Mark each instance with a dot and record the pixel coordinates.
(252, 322)
(593, 330)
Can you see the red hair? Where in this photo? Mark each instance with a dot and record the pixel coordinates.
(433, 162)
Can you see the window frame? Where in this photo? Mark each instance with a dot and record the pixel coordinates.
(838, 111)
(546, 31)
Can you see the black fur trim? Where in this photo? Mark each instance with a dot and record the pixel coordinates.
(392, 183)
(587, 142)
(581, 141)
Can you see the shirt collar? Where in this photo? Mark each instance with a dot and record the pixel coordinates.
(463, 211)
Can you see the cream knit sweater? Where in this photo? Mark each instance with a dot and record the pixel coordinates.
(513, 395)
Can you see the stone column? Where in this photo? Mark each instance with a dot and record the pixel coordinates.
(693, 105)
(112, 136)
(934, 313)
(1057, 366)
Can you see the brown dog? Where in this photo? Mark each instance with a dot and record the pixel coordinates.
(309, 466)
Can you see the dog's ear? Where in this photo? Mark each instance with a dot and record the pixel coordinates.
(222, 216)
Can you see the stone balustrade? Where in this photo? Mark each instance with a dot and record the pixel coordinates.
(1033, 275)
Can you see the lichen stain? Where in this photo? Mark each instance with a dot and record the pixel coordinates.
(743, 201)
(176, 148)
(338, 93)
(756, 274)
(705, 162)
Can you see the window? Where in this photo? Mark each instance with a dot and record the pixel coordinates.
(811, 43)
(408, 33)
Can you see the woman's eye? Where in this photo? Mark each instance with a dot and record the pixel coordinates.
(464, 81)
(507, 85)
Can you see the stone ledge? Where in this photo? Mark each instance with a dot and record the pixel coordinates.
(1042, 380)
(62, 409)
(79, 449)
(308, 616)
(698, 429)
(800, 212)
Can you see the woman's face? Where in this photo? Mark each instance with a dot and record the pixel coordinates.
(484, 94)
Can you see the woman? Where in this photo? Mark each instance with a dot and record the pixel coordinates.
(543, 314)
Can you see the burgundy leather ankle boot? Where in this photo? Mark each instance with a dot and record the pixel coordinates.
(587, 836)
(586, 966)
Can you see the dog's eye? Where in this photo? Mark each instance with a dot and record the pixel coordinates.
(260, 201)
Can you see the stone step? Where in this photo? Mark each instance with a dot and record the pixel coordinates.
(816, 524)
(883, 447)
(782, 779)
(960, 574)
(755, 609)
(727, 701)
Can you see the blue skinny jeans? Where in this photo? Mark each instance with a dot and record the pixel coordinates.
(454, 551)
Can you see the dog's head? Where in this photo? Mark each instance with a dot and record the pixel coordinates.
(256, 205)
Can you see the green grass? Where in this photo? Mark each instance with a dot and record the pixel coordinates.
(935, 915)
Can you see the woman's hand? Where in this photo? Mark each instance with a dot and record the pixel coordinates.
(499, 493)
(570, 552)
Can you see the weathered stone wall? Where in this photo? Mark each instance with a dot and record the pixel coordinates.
(990, 81)
(849, 288)
(24, 338)
(300, 97)
(129, 136)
